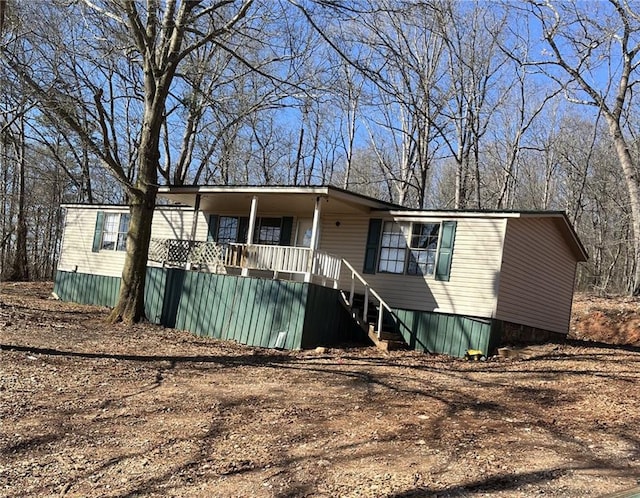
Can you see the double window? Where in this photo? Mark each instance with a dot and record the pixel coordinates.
(114, 232)
(409, 248)
(269, 231)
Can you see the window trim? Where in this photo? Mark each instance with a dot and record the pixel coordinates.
(434, 251)
(120, 232)
(407, 229)
(219, 226)
(260, 223)
(404, 248)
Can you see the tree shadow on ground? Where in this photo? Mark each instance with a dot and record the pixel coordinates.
(248, 359)
(353, 370)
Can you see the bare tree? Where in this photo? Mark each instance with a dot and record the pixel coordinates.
(350, 90)
(474, 61)
(395, 46)
(20, 269)
(595, 47)
(153, 41)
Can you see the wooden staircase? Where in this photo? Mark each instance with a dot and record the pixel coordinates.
(387, 341)
(375, 318)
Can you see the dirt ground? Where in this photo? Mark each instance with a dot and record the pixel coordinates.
(89, 409)
(612, 320)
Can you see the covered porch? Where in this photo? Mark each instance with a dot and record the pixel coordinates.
(288, 262)
(260, 231)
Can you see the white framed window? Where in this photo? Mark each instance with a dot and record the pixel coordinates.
(114, 232)
(268, 231)
(393, 248)
(414, 254)
(423, 248)
(227, 229)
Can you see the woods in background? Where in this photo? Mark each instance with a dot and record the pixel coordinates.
(437, 105)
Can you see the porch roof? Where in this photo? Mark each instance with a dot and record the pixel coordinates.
(217, 198)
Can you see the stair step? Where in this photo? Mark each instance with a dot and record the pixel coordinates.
(388, 340)
(392, 345)
(385, 344)
(386, 335)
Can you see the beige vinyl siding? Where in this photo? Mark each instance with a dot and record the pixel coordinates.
(168, 223)
(535, 287)
(174, 223)
(472, 287)
(537, 277)
(77, 242)
(177, 222)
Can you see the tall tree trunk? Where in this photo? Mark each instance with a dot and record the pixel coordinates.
(633, 189)
(476, 159)
(20, 265)
(296, 171)
(4, 198)
(142, 201)
(351, 134)
(130, 305)
(86, 192)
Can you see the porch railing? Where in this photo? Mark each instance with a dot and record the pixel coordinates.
(356, 278)
(179, 252)
(275, 258)
(278, 259)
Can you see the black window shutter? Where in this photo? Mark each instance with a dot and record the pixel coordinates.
(212, 232)
(373, 241)
(445, 253)
(97, 233)
(285, 231)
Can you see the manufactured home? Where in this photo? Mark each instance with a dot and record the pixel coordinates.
(299, 267)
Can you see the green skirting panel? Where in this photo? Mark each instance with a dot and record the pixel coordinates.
(85, 288)
(272, 313)
(154, 289)
(446, 334)
(252, 311)
(100, 290)
(326, 321)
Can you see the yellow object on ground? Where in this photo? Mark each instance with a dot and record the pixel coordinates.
(474, 354)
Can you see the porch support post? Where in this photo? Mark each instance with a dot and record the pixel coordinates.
(194, 223)
(194, 228)
(314, 239)
(251, 229)
(316, 224)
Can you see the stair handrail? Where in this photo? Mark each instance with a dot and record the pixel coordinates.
(367, 290)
